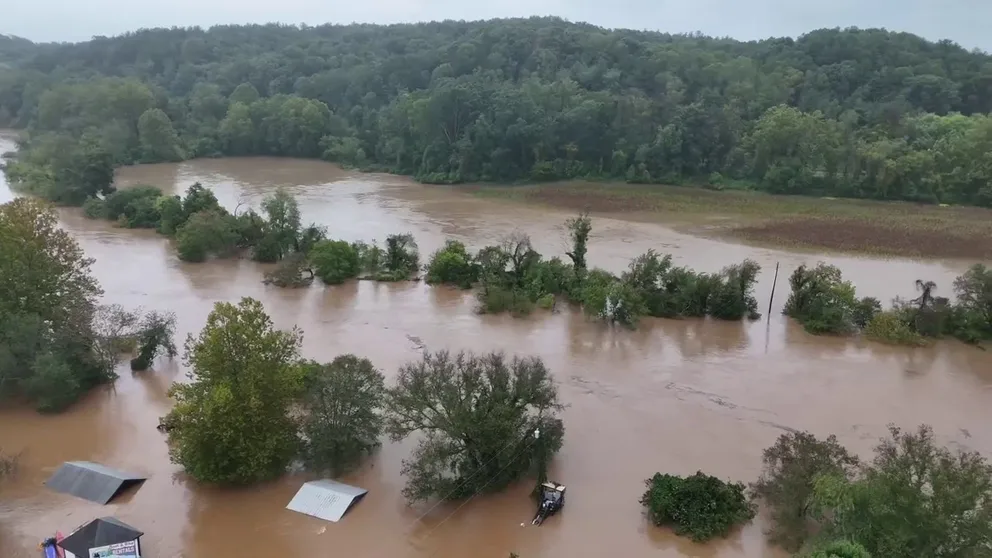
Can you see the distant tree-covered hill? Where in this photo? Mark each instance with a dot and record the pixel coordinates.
(855, 113)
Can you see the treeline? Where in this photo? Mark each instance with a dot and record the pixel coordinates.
(855, 113)
(56, 341)
(511, 276)
(826, 304)
(202, 228)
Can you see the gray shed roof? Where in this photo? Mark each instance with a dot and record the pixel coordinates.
(325, 499)
(99, 532)
(91, 481)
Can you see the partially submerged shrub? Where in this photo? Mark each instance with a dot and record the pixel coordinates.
(821, 300)
(293, 272)
(791, 468)
(155, 335)
(206, 233)
(335, 261)
(892, 328)
(452, 265)
(699, 506)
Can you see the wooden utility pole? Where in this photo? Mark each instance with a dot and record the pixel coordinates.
(772, 297)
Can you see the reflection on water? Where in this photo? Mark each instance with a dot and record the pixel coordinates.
(674, 395)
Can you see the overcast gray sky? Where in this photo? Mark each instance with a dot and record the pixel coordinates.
(964, 21)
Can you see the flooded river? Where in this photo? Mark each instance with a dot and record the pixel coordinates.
(673, 396)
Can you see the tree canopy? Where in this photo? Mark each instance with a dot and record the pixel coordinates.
(861, 113)
(47, 308)
(484, 421)
(231, 423)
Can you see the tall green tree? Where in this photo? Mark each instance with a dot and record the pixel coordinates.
(915, 499)
(232, 422)
(47, 341)
(158, 139)
(343, 413)
(483, 421)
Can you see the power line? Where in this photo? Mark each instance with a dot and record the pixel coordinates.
(481, 488)
(465, 482)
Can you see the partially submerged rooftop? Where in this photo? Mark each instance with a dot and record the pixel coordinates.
(105, 531)
(91, 481)
(326, 499)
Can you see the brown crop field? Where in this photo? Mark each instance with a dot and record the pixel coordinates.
(892, 228)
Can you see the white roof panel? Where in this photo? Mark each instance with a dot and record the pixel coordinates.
(325, 499)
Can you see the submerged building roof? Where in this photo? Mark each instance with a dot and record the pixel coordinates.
(325, 499)
(99, 532)
(91, 481)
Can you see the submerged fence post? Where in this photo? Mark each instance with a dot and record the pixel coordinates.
(772, 297)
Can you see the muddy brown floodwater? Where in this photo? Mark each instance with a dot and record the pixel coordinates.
(673, 396)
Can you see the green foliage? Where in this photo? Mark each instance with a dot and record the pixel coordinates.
(334, 261)
(785, 487)
(608, 298)
(699, 506)
(892, 328)
(915, 499)
(733, 298)
(171, 215)
(283, 227)
(48, 346)
(155, 335)
(157, 138)
(973, 321)
(579, 229)
(231, 423)
(134, 208)
(348, 95)
(206, 233)
(483, 421)
(452, 265)
(821, 300)
(837, 549)
(342, 414)
(401, 259)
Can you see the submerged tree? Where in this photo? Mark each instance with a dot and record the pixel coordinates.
(293, 271)
(282, 227)
(231, 423)
(579, 229)
(47, 305)
(826, 304)
(206, 233)
(791, 469)
(484, 421)
(342, 413)
(915, 499)
(335, 261)
(401, 259)
(155, 336)
(452, 265)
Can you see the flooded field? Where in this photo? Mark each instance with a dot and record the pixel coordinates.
(673, 396)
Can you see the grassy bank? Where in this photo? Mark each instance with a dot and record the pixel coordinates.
(891, 228)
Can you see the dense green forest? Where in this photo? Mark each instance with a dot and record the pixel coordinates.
(852, 113)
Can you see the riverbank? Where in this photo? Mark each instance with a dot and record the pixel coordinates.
(852, 226)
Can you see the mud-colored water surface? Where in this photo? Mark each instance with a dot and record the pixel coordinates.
(673, 396)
